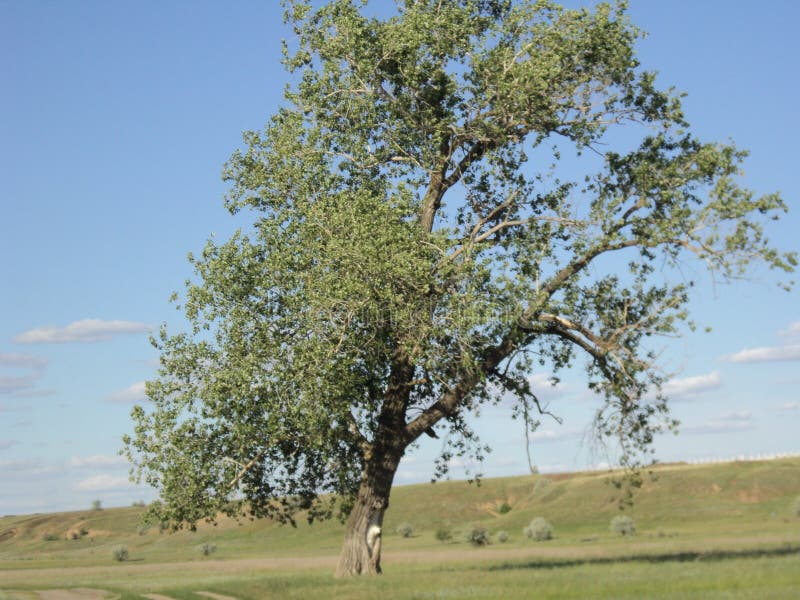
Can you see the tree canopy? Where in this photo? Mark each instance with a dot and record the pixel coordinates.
(437, 216)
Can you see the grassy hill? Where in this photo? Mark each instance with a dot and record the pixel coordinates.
(731, 505)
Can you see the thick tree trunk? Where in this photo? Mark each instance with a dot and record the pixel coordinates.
(361, 551)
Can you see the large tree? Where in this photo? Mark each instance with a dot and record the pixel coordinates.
(436, 216)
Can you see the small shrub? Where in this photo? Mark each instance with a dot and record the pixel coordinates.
(74, 535)
(502, 537)
(504, 508)
(405, 530)
(120, 553)
(477, 535)
(796, 507)
(623, 525)
(49, 537)
(139, 503)
(142, 529)
(443, 533)
(207, 549)
(541, 485)
(539, 529)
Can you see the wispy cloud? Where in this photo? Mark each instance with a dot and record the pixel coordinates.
(86, 330)
(726, 422)
(556, 435)
(96, 461)
(34, 393)
(766, 354)
(792, 330)
(6, 444)
(789, 406)
(12, 385)
(16, 384)
(104, 483)
(22, 361)
(689, 387)
(134, 393)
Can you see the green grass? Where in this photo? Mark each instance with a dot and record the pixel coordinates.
(716, 531)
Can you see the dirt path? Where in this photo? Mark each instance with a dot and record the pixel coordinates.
(75, 594)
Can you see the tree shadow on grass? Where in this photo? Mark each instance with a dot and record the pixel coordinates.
(711, 556)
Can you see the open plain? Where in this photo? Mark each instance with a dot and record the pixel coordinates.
(713, 531)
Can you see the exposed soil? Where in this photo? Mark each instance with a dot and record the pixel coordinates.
(74, 594)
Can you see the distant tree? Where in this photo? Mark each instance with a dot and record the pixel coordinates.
(419, 248)
(97, 505)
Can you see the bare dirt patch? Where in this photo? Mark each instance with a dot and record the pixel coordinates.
(75, 594)
(214, 596)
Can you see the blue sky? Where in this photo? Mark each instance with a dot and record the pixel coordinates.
(115, 121)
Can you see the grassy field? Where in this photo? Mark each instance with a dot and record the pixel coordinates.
(713, 531)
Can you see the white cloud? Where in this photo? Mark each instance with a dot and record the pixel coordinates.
(23, 361)
(792, 330)
(736, 415)
(5, 444)
(789, 406)
(726, 422)
(689, 387)
(96, 461)
(86, 330)
(27, 468)
(551, 435)
(104, 483)
(14, 385)
(134, 393)
(21, 385)
(766, 354)
(542, 386)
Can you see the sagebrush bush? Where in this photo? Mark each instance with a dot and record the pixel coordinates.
(405, 530)
(443, 533)
(623, 525)
(477, 535)
(502, 537)
(539, 529)
(541, 485)
(120, 553)
(49, 537)
(207, 549)
(504, 508)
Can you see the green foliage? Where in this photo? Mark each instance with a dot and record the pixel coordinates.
(443, 533)
(539, 529)
(502, 537)
(504, 508)
(405, 530)
(120, 553)
(477, 535)
(623, 525)
(416, 250)
(97, 505)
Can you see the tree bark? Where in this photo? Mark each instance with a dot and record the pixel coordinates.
(361, 550)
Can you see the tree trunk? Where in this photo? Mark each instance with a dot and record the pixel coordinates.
(361, 551)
